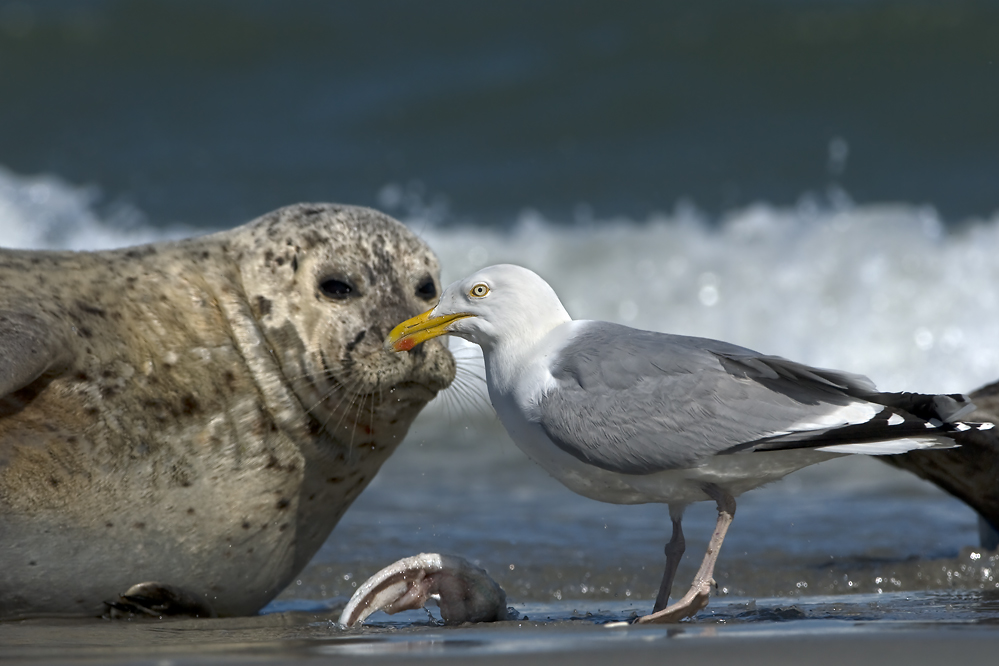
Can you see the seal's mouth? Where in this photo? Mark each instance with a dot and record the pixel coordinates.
(404, 392)
(374, 383)
(413, 391)
(364, 414)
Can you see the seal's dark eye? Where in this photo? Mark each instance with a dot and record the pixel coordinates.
(427, 290)
(336, 289)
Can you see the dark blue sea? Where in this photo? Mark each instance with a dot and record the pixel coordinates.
(208, 112)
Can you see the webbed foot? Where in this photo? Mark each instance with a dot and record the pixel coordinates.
(690, 605)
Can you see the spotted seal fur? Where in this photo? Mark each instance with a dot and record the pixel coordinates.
(201, 413)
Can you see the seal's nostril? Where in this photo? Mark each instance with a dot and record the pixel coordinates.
(356, 341)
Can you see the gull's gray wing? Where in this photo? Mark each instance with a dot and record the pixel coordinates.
(637, 402)
(30, 345)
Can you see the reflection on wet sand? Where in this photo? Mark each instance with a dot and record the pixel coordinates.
(861, 626)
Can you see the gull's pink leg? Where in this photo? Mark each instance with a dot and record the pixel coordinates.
(697, 597)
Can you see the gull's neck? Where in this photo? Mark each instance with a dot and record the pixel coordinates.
(508, 359)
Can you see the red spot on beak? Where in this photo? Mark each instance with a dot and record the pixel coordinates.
(405, 344)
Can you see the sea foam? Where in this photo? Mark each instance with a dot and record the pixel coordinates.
(885, 290)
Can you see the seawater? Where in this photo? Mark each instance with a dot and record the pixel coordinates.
(211, 111)
(888, 290)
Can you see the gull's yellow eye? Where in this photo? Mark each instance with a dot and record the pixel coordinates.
(479, 290)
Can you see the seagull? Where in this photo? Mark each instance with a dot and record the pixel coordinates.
(629, 416)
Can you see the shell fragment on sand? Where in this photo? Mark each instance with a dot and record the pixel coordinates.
(463, 591)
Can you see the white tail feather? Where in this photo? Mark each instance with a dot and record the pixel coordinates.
(892, 447)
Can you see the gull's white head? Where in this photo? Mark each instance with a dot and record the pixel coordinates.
(503, 303)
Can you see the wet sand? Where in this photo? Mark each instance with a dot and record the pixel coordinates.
(925, 628)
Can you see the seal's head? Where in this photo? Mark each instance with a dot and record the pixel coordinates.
(326, 283)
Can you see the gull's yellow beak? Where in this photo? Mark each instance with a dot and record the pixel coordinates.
(419, 329)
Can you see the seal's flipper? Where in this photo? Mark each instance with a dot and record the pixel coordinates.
(463, 591)
(30, 346)
(158, 599)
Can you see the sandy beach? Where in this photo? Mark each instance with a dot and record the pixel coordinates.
(915, 629)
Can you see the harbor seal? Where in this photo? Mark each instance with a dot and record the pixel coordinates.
(201, 413)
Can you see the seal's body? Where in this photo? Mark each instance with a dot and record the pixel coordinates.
(201, 413)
